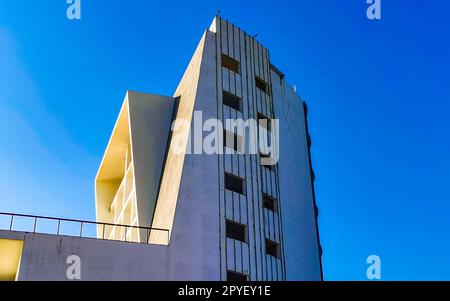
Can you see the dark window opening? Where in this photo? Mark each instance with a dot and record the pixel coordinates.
(232, 101)
(235, 276)
(236, 231)
(262, 85)
(272, 248)
(232, 140)
(269, 202)
(269, 167)
(234, 183)
(231, 63)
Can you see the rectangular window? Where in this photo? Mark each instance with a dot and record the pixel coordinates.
(269, 202)
(235, 276)
(234, 183)
(231, 64)
(236, 231)
(261, 85)
(272, 248)
(232, 101)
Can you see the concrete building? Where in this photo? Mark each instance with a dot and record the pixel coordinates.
(183, 215)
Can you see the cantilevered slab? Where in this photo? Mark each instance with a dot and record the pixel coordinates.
(150, 118)
(128, 179)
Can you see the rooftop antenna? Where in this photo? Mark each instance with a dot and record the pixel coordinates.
(218, 13)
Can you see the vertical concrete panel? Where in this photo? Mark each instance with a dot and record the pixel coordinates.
(236, 202)
(230, 32)
(274, 268)
(268, 224)
(232, 82)
(224, 37)
(274, 184)
(297, 209)
(230, 254)
(238, 85)
(255, 56)
(229, 204)
(277, 228)
(260, 62)
(227, 160)
(266, 104)
(241, 159)
(245, 259)
(265, 63)
(259, 258)
(222, 209)
(272, 227)
(226, 79)
(271, 184)
(244, 218)
(238, 256)
(280, 271)
(236, 41)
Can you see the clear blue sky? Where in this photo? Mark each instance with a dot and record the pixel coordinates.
(378, 93)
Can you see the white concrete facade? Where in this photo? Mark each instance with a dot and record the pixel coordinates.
(186, 194)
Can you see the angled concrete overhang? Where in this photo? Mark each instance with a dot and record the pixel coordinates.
(127, 182)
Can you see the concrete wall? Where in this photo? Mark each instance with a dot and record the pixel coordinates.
(195, 238)
(298, 214)
(44, 258)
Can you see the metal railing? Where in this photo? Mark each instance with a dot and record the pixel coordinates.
(13, 217)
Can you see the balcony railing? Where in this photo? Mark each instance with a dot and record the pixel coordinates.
(74, 227)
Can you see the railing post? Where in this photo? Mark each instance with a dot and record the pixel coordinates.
(103, 236)
(81, 230)
(59, 224)
(126, 228)
(34, 227)
(11, 224)
(148, 235)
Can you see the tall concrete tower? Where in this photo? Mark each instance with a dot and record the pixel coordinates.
(228, 215)
(168, 209)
